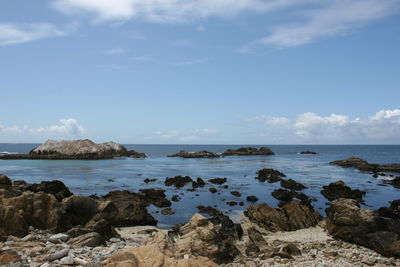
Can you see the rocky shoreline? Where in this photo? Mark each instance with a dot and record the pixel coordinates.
(46, 225)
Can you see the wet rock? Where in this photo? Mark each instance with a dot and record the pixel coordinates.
(339, 189)
(56, 188)
(364, 165)
(175, 198)
(218, 180)
(209, 211)
(395, 182)
(252, 198)
(236, 193)
(285, 196)
(292, 216)
(93, 239)
(149, 180)
(213, 190)
(199, 154)
(392, 212)
(156, 197)
(248, 151)
(198, 183)
(292, 185)
(349, 222)
(167, 211)
(232, 203)
(269, 175)
(5, 182)
(308, 152)
(178, 181)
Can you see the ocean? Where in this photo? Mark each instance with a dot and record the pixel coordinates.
(314, 171)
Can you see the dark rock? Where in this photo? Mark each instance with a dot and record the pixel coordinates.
(56, 188)
(218, 180)
(232, 203)
(248, 151)
(364, 165)
(349, 222)
(178, 181)
(291, 249)
(292, 216)
(252, 250)
(392, 212)
(339, 189)
(308, 152)
(87, 240)
(395, 182)
(292, 184)
(213, 190)
(148, 180)
(175, 198)
(241, 203)
(156, 197)
(256, 237)
(5, 182)
(252, 198)
(270, 175)
(236, 193)
(198, 183)
(167, 211)
(199, 154)
(209, 211)
(288, 195)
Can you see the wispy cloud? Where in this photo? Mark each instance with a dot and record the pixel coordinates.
(191, 62)
(11, 34)
(143, 58)
(184, 136)
(114, 51)
(66, 128)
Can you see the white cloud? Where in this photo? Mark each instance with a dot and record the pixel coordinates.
(142, 58)
(382, 127)
(184, 136)
(333, 17)
(66, 128)
(114, 51)
(191, 62)
(11, 34)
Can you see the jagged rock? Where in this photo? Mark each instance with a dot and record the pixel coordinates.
(270, 175)
(218, 180)
(178, 181)
(198, 183)
(209, 211)
(364, 165)
(55, 187)
(236, 193)
(292, 185)
(175, 198)
(213, 190)
(76, 149)
(199, 154)
(92, 239)
(339, 189)
(349, 222)
(248, 151)
(252, 198)
(288, 195)
(167, 211)
(308, 152)
(5, 182)
(292, 249)
(147, 180)
(392, 212)
(156, 197)
(292, 216)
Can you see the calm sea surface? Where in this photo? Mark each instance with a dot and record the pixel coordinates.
(93, 176)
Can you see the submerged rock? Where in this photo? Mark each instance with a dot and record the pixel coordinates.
(199, 154)
(77, 150)
(252, 198)
(218, 180)
(308, 152)
(285, 196)
(363, 165)
(248, 151)
(339, 189)
(292, 184)
(198, 183)
(291, 216)
(178, 181)
(156, 197)
(269, 175)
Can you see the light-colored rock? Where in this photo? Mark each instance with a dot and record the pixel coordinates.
(59, 237)
(57, 255)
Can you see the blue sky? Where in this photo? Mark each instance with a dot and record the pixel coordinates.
(201, 71)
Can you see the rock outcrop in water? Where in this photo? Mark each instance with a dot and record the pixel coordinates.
(248, 151)
(270, 175)
(200, 154)
(76, 150)
(308, 152)
(364, 165)
(339, 189)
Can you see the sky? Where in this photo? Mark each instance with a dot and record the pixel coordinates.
(200, 71)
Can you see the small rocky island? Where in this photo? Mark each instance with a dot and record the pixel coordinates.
(308, 152)
(200, 154)
(76, 150)
(363, 165)
(248, 151)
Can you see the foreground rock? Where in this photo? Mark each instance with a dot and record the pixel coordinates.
(200, 154)
(248, 151)
(269, 175)
(291, 216)
(349, 222)
(363, 165)
(339, 189)
(77, 150)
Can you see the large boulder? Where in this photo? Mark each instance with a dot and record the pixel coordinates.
(291, 216)
(339, 189)
(5, 182)
(76, 149)
(269, 175)
(349, 222)
(200, 154)
(56, 188)
(248, 151)
(177, 181)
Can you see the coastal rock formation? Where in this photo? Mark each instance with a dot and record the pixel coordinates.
(200, 154)
(292, 184)
(393, 211)
(248, 151)
(78, 150)
(363, 165)
(156, 197)
(291, 216)
(349, 222)
(307, 152)
(269, 175)
(198, 183)
(56, 188)
(339, 189)
(285, 196)
(178, 181)
(218, 180)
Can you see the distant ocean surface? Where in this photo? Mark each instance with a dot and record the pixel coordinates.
(314, 171)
